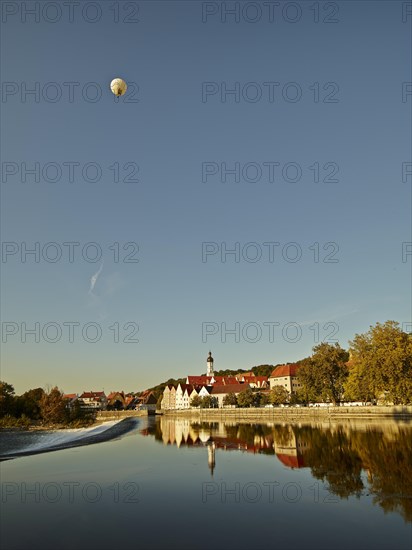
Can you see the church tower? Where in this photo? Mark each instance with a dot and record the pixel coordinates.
(209, 371)
(211, 456)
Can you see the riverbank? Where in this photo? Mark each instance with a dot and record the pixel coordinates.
(287, 414)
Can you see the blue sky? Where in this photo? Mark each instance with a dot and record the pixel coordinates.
(348, 117)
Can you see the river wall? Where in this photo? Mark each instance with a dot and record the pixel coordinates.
(288, 414)
(118, 415)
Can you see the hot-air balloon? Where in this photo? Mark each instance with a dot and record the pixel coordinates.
(118, 86)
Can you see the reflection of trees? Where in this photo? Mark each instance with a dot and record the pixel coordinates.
(331, 456)
(337, 455)
(282, 434)
(388, 462)
(250, 432)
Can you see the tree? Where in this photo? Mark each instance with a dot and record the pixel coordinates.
(28, 404)
(262, 399)
(278, 395)
(7, 399)
(359, 385)
(196, 401)
(53, 406)
(382, 361)
(330, 370)
(209, 402)
(311, 384)
(230, 399)
(246, 398)
(263, 370)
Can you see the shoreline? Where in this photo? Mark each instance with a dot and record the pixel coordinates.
(291, 414)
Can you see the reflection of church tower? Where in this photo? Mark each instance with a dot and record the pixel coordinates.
(210, 365)
(211, 457)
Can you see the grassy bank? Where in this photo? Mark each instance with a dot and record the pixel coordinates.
(25, 423)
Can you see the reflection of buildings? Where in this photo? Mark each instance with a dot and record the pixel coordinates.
(279, 440)
(290, 448)
(346, 458)
(211, 460)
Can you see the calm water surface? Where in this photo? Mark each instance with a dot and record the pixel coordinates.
(177, 483)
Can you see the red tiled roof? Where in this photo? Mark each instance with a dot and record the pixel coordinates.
(225, 380)
(229, 388)
(285, 370)
(69, 395)
(114, 393)
(198, 380)
(89, 394)
(291, 461)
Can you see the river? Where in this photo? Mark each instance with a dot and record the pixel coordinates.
(181, 483)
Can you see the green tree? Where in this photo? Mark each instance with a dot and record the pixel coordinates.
(209, 402)
(359, 384)
(310, 382)
(246, 398)
(196, 401)
(262, 399)
(278, 395)
(230, 399)
(263, 370)
(329, 364)
(7, 399)
(382, 360)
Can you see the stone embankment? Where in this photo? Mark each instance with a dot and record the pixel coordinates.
(288, 414)
(102, 416)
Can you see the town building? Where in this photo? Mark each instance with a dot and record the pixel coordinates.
(260, 382)
(93, 400)
(70, 400)
(169, 397)
(285, 376)
(221, 391)
(209, 384)
(146, 402)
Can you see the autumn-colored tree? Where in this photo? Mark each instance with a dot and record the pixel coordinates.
(53, 406)
(382, 363)
(28, 404)
(7, 399)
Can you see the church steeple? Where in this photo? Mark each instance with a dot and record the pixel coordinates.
(211, 456)
(209, 371)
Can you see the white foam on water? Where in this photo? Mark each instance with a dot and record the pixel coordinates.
(63, 437)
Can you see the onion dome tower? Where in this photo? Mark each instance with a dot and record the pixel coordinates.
(209, 371)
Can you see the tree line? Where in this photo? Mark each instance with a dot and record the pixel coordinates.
(377, 367)
(39, 406)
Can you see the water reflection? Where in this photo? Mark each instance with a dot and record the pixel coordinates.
(354, 460)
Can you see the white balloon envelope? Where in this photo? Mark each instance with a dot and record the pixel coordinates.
(118, 86)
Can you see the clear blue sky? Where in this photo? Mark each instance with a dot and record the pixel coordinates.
(169, 53)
